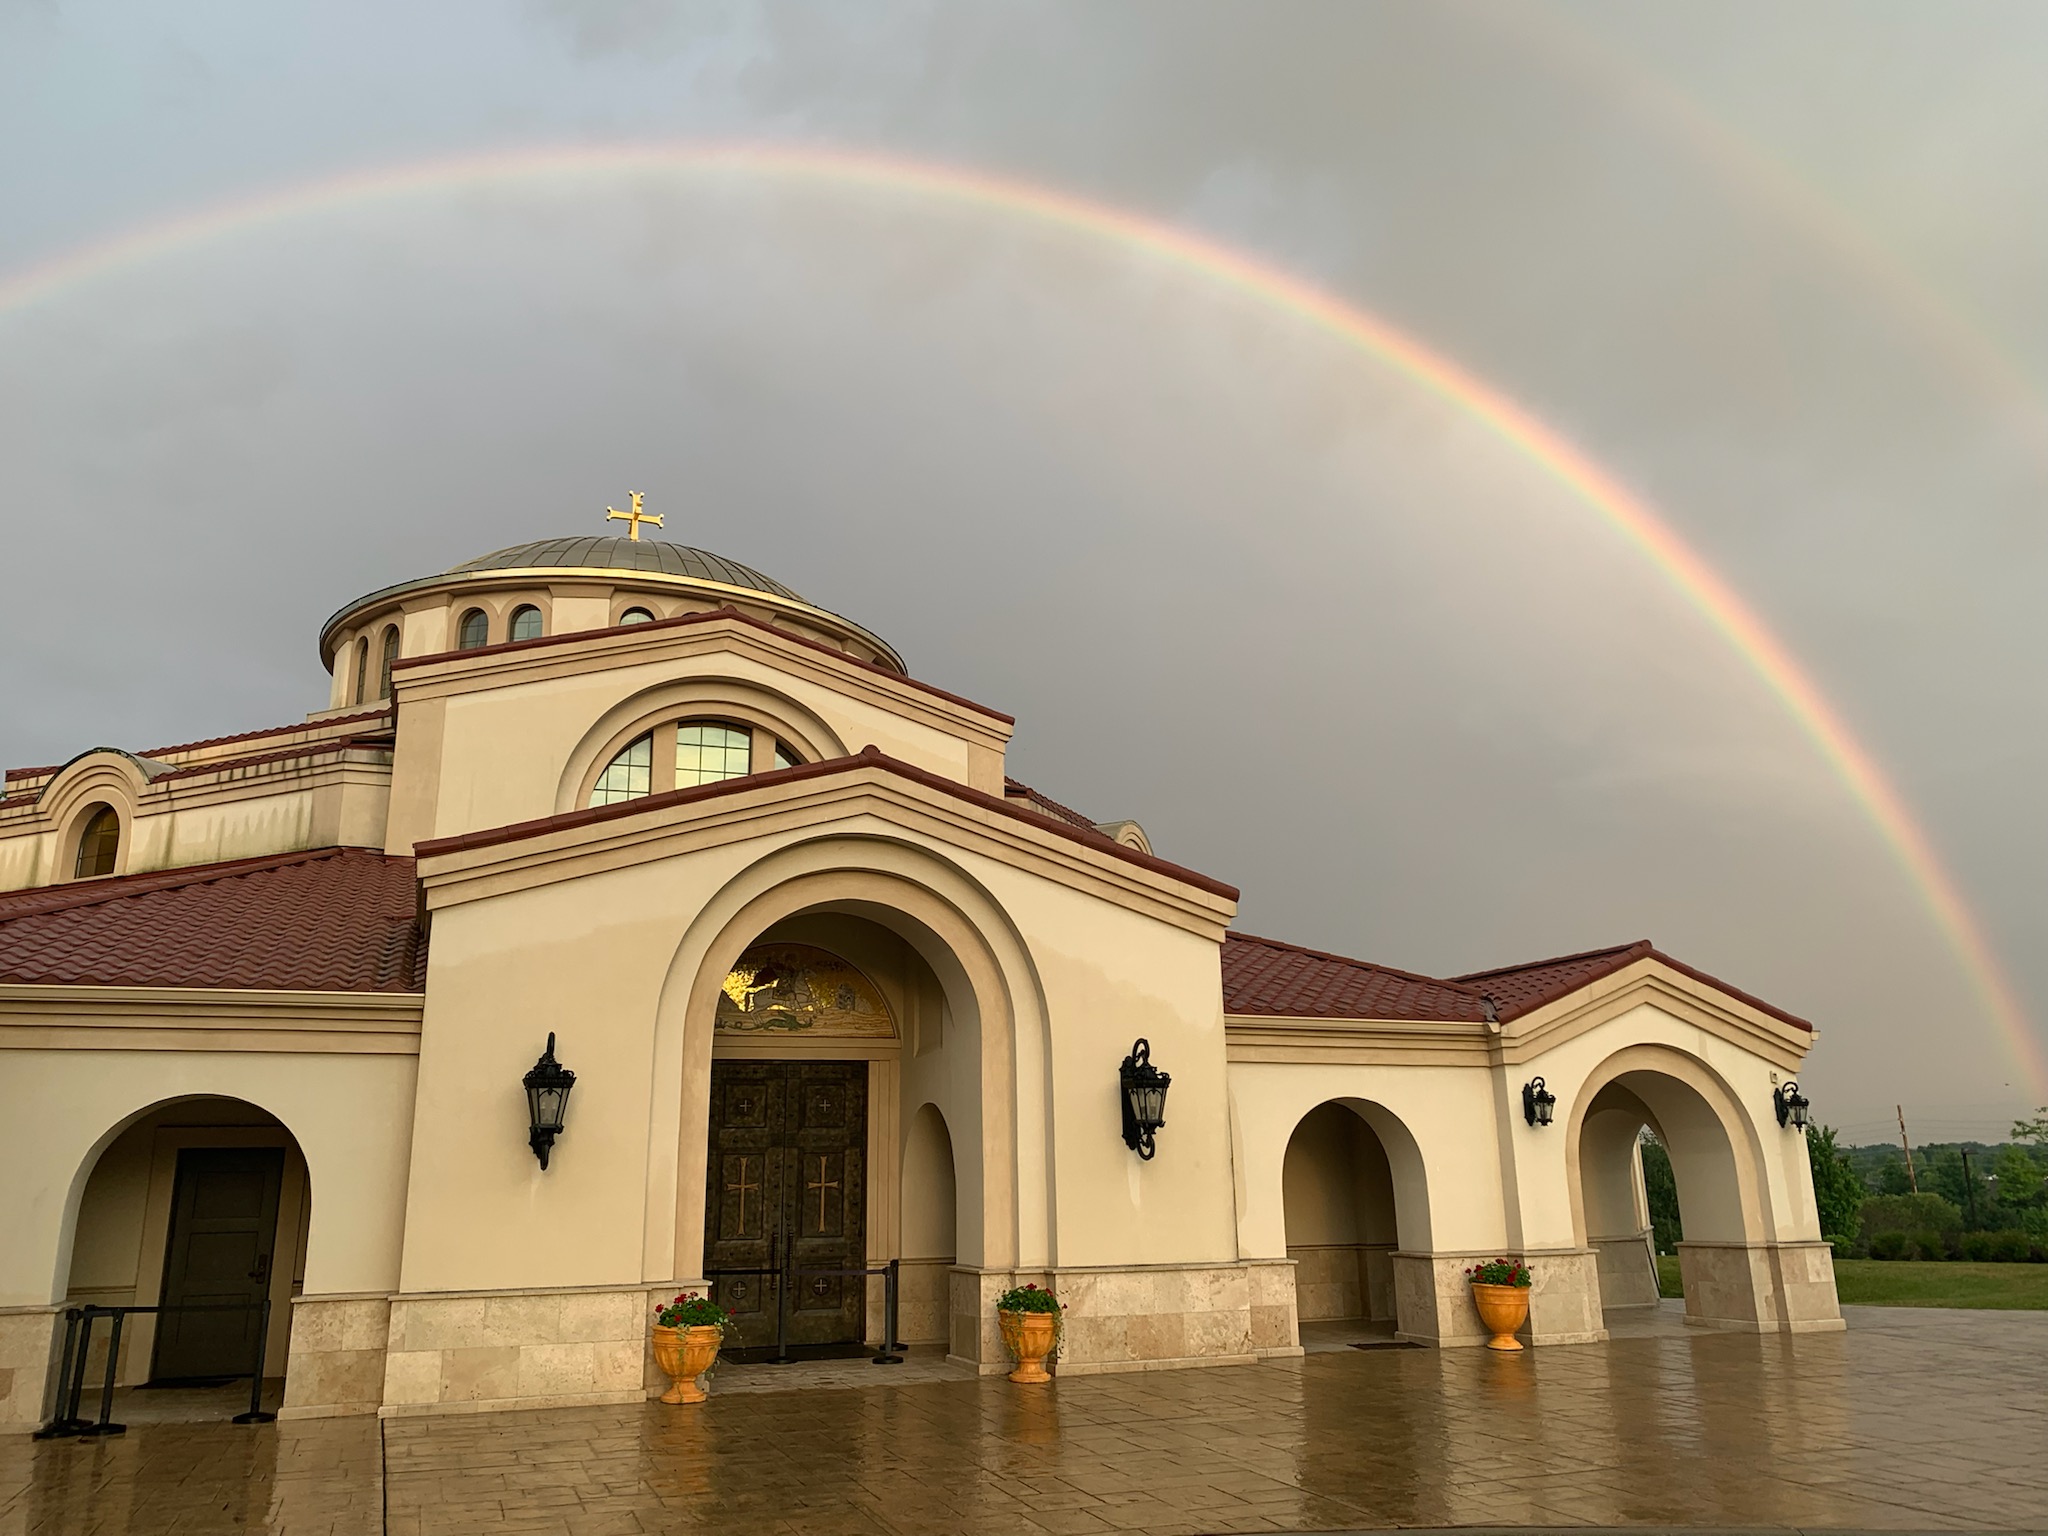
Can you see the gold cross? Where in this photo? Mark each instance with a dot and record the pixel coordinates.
(821, 1184)
(741, 1189)
(634, 518)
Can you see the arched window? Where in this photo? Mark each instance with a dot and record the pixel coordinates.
(627, 776)
(390, 655)
(362, 667)
(636, 616)
(785, 757)
(708, 751)
(682, 755)
(99, 842)
(526, 622)
(474, 630)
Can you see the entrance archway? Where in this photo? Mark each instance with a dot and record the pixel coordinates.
(197, 1202)
(1721, 1194)
(1342, 1191)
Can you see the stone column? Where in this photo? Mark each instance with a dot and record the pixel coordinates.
(1433, 1298)
(336, 1364)
(29, 1340)
(1760, 1287)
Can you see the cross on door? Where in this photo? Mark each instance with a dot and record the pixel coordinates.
(742, 1189)
(821, 1184)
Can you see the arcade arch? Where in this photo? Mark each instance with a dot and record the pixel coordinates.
(1353, 1193)
(1722, 1193)
(198, 1200)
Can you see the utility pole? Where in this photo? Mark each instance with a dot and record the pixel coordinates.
(1912, 1183)
(1969, 1187)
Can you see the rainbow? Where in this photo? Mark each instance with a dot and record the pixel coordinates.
(1346, 323)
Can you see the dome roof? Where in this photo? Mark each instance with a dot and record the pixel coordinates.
(616, 554)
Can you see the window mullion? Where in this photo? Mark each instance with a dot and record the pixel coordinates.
(661, 777)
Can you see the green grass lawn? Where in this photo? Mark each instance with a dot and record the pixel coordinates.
(1901, 1283)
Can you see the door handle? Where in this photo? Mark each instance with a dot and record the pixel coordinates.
(262, 1269)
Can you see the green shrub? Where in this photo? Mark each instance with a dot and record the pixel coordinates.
(1912, 1214)
(1997, 1247)
(1931, 1247)
(1837, 1191)
(1888, 1245)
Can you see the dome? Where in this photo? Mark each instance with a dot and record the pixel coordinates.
(616, 554)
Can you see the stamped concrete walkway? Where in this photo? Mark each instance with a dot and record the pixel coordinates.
(1912, 1420)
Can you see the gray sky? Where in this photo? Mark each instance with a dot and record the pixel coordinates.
(1777, 268)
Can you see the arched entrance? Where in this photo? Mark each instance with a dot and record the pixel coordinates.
(199, 1202)
(1343, 1197)
(829, 1020)
(965, 1022)
(1720, 1193)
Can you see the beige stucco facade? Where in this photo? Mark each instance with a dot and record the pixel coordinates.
(1312, 1166)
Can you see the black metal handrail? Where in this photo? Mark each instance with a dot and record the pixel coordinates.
(788, 1272)
(71, 1370)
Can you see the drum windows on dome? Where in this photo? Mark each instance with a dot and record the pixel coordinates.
(636, 616)
(526, 623)
(390, 655)
(474, 631)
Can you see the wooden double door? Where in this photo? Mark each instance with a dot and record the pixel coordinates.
(787, 1187)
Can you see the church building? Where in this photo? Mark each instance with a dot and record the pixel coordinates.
(856, 1022)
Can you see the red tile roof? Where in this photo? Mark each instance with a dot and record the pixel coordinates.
(329, 920)
(1518, 988)
(1521, 988)
(1012, 790)
(869, 756)
(1265, 976)
(382, 712)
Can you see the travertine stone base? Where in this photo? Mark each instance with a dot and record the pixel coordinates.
(477, 1351)
(336, 1367)
(1564, 1301)
(1628, 1270)
(1760, 1287)
(1139, 1318)
(1433, 1299)
(30, 1338)
(1343, 1280)
(923, 1301)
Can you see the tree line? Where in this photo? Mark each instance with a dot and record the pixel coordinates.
(1973, 1200)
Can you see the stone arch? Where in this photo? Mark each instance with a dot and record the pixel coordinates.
(1354, 1192)
(1717, 1161)
(725, 698)
(121, 1242)
(993, 1002)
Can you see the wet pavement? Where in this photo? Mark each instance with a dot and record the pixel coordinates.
(1914, 1419)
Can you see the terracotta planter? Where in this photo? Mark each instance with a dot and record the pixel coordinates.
(1029, 1335)
(684, 1354)
(1503, 1309)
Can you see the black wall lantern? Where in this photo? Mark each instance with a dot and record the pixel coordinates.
(1538, 1102)
(1791, 1106)
(547, 1100)
(1144, 1088)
